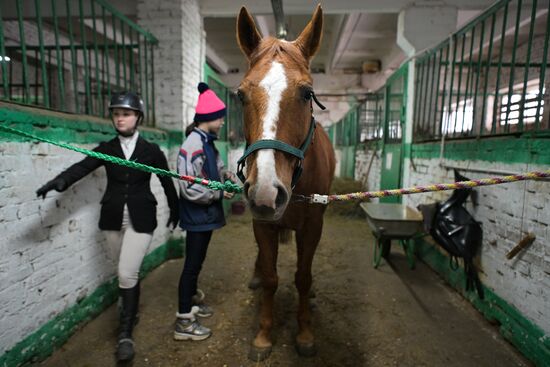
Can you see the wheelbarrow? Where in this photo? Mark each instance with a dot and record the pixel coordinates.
(393, 222)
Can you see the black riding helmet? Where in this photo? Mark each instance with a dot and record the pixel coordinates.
(128, 100)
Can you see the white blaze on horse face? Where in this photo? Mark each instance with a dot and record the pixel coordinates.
(274, 84)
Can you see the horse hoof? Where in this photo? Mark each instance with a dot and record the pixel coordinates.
(255, 283)
(258, 354)
(306, 350)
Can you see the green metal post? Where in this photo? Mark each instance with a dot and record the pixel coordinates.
(469, 74)
(85, 57)
(496, 105)
(98, 81)
(117, 62)
(478, 74)
(3, 63)
(526, 73)
(425, 93)
(146, 96)
(60, 59)
(131, 60)
(454, 37)
(459, 83)
(153, 121)
(139, 65)
(73, 56)
(124, 62)
(430, 74)
(35, 84)
(45, 87)
(487, 73)
(512, 68)
(447, 54)
(106, 56)
(543, 71)
(438, 71)
(417, 89)
(26, 93)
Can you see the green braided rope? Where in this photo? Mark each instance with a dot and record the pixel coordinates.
(214, 185)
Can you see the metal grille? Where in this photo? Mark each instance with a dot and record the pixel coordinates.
(489, 78)
(371, 120)
(71, 55)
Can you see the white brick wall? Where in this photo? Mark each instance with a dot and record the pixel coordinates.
(52, 250)
(179, 57)
(507, 212)
(53, 253)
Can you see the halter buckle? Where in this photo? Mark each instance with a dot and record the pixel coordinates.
(319, 199)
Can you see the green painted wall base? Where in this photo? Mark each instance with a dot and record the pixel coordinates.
(528, 338)
(526, 149)
(57, 331)
(68, 128)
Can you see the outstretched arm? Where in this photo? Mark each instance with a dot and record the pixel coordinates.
(72, 174)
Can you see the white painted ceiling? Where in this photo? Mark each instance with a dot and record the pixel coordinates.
(355, 32)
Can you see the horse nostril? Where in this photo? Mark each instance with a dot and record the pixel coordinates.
(282, 196)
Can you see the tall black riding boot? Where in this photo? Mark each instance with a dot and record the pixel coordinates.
(130, 302)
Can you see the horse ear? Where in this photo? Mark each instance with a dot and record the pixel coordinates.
(248, 36)
(309, 40)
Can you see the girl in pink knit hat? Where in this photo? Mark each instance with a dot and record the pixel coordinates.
(201, 209)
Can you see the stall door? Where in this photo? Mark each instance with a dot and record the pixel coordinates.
(394, 120)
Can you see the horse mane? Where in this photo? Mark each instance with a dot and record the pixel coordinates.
(273, 48)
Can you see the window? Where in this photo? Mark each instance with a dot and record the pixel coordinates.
(460, 119)
(510, 114)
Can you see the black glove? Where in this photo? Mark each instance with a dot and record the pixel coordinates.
(174, 218)
(57, 184)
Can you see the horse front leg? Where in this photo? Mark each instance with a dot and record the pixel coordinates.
(256, 280)
(307, 240)
(267, 238)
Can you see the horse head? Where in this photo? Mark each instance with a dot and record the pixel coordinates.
(276, 93)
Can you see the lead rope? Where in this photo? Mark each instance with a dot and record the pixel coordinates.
(313, 199)
(214, 185)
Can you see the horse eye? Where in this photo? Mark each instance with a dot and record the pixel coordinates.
(240, 94)
(306, 93)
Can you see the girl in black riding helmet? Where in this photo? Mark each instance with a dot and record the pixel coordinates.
(128, 207)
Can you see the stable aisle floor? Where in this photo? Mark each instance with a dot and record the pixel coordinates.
(390, 316)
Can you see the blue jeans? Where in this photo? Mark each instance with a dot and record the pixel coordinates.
(196, 245)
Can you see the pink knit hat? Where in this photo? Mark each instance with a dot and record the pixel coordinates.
(209, 107)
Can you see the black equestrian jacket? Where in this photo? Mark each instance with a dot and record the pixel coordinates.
(127, 185)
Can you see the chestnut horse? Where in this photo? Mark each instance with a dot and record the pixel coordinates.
(282, 142)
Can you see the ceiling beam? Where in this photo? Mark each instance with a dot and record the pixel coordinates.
(335, 38)
(344, 33)
(226, 8)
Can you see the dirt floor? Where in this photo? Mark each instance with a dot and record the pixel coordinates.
(390, 316)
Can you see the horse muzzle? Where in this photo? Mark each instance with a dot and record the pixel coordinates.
(268, 201)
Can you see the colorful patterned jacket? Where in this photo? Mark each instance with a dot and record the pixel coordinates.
(200, 207)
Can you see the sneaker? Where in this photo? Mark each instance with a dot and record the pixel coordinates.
(189, 328)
